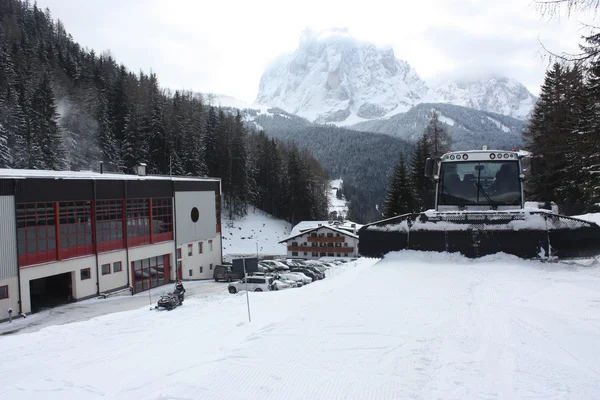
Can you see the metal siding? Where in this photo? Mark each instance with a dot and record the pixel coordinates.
(106, 190)
(149, 188)
(7, 187)
(47, 190)
(197, 186)
(8, 238)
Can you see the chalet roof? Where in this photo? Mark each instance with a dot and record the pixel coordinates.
(299, 232)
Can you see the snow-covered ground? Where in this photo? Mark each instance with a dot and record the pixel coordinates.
(413, 325)
(340, 206)
(241, 236)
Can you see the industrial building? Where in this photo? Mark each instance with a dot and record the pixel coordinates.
(67, 236)
(316, 239)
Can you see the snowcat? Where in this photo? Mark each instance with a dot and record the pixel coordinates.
(480, 210)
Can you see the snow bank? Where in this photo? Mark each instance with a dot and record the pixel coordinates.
(414, 325)
(241, 236)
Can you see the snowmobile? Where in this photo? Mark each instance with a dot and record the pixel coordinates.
(169, 301)
(480, 210)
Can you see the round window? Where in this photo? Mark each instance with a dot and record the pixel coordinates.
(195, 215)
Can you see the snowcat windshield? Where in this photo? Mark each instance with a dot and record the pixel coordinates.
(480, 183)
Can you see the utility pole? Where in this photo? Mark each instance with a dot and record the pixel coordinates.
(247, 298)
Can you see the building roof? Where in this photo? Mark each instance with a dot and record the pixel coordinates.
(309, 226)
(49, 174)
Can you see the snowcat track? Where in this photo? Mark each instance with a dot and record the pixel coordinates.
(529, 235)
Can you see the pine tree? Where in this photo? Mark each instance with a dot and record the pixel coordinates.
(422, 185)
(5, 157)
(211, 147)
(436, 136)
(399, 199)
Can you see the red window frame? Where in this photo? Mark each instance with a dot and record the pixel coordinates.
(138, 222)
(178, 253)
(107, 269)
(115, 266)
(110, 232)
(150, 272)
(89, 270)
(199, 247)
(5, 287)
(190, 250)
(36, 233)
(75, 227)
(162, 219)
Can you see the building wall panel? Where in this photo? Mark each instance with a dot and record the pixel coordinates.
(196, 260)
(8, 238)
(49, 190)
(81, 288)
(188, 231)
(13, 297)
(113, 280)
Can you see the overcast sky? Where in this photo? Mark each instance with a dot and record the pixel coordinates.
(224, 46)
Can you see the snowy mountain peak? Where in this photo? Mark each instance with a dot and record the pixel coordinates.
(333, 77)
(497, 94)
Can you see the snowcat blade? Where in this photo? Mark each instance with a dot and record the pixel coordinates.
(525, 234)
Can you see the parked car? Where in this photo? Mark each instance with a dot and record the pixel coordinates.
(297, 279)
(226, 273)
(305, 279)
(276, 265)
(256, 283)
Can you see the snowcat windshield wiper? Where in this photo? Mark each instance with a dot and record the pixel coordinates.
(480, 189)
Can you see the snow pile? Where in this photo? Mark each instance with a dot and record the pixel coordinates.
(414, 325)
(240, 236)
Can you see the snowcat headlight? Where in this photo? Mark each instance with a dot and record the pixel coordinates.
(505, 155)
(452, 157)
(465, 156)
(492, 156)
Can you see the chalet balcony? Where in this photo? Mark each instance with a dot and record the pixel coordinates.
(322, 249)
(323, 239)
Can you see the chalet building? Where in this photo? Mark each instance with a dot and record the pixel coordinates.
(67, 236)
(316, 239)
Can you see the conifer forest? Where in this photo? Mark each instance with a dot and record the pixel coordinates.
(64, 107)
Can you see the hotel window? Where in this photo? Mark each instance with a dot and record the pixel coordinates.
(199, 247)
(105, 269)
(117, 267)
(210, 247)
(85, 273)
(75, 218)
(4, 292)
(109, 225)
(190, 250)
(36, 233)
(138, 222)
(162, 219)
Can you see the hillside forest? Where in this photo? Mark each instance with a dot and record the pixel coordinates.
(64, 107)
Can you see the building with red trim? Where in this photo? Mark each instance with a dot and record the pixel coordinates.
(316, 239)
(67, 236)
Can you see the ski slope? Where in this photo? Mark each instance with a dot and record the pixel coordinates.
(411, 326)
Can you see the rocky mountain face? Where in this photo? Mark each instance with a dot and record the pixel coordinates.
(495, 94)
(335, 78)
